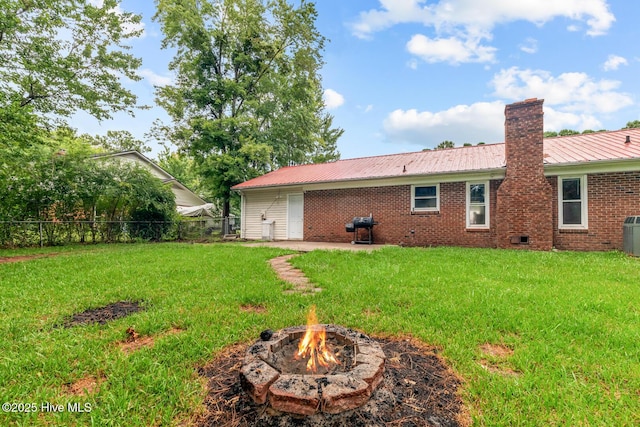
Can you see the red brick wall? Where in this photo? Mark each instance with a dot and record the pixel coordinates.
(611, 198)
(327, 211)
(524, 208)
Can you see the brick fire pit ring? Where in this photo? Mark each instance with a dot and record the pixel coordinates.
(307, 394)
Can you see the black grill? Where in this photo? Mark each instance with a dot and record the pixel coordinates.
(358, 224)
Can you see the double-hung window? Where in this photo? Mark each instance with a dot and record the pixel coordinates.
(478, 204)
(425, 198)
(572, 202)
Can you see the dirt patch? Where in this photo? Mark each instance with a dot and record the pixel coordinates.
(135, 342)
(371, 312)
(84, 386)
(496, 350)
(104, 314)
(418, 389)
(20, 258)
(497, 363)
(253, 308)
(498, 368)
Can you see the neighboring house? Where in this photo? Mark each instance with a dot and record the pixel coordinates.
(570, 192)
(184, 197)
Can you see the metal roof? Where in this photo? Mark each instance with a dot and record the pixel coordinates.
(600, 146)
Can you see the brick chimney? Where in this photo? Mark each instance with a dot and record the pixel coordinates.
(524, 218)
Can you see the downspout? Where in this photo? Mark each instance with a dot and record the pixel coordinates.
(243, 215)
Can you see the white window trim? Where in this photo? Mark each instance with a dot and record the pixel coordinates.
(584, 204)
(413, 198)
(487, 203)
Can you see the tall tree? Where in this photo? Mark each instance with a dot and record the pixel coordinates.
(248, 96)
(118, 140)
(61, 56)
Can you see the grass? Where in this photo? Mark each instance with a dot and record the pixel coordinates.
(571, 320)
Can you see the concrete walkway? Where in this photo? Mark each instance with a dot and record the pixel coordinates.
(301, 246)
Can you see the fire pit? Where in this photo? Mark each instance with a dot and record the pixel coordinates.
(315, 368)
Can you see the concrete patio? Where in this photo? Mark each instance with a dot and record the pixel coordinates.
(301, 246)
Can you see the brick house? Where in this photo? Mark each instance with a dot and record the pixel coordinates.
(570, 192)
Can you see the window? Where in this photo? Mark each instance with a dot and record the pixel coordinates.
(572, 202)
(478, 204)
(425, 198)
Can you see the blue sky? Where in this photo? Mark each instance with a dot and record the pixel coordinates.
(403, 75)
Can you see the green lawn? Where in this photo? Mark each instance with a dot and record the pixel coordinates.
(572, 321)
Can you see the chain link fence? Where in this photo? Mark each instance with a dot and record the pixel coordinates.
(53, 233)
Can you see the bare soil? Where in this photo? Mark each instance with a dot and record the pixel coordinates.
(104, 314)
(85, 386)
(418, 389)
(135, 342)
(253, 308)
(20, 258)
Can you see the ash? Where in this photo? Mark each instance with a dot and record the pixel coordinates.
(285, 359)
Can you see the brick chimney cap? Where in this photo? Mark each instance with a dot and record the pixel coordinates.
(526, 103)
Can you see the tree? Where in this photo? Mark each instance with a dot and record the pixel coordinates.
(61, 56)
(182, 167)
(633, 124)
(550, 134)
(445, 144)
(567, 132)
(118, 140)
(248, 97)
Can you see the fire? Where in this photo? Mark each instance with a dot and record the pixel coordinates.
(313, 345)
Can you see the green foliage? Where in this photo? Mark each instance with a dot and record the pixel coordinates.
(586, 131)
(117, 141)
(632, 124)
(249, 95)
(60, 56)
(567, 132)
(445, 144)
(550, 134)
(57, 180)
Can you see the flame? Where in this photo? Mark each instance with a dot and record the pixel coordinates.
(313, 345)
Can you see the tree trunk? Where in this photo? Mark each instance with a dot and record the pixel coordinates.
(225, 215)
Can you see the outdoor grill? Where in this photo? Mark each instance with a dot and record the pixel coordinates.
(359, 223)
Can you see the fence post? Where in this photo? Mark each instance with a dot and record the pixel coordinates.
(40, 227)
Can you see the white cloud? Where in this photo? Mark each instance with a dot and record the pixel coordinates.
(452, 50)
(484, 15)
(155, 79)
(368, 108)
(569, 92)
(332, 99)
(530, 45)
(555, 120)
(413, 64)
(614, 62)
(482, 121)
(462, 25)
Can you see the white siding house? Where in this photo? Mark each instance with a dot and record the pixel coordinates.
(282, 206)
(184, 196)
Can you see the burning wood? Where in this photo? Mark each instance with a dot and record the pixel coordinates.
(314, 346)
